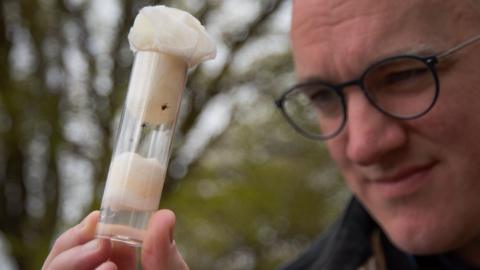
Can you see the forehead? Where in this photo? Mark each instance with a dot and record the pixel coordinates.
(338, 38)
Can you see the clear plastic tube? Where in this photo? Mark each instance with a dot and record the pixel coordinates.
(140, 158)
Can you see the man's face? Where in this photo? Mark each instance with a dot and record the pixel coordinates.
(420, 179)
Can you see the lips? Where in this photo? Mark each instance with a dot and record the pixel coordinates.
(406, 182)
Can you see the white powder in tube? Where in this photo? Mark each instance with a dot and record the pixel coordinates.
(133, 183)
(156, 87)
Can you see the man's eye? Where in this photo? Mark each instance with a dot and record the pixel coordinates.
(319, 95)
(323, 97)
(405, 75)
(326, 102)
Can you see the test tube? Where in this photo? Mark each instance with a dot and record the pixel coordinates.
(140, 158)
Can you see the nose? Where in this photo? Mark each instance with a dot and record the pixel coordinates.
(370, 134)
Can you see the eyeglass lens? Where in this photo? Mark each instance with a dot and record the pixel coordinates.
(402, 87)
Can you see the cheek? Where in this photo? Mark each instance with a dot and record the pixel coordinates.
(337, 150)
(456, 115)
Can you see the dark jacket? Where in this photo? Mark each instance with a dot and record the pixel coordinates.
(355, 242)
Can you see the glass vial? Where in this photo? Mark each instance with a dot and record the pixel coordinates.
(140, 158)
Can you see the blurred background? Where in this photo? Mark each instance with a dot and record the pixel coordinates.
(248, 192)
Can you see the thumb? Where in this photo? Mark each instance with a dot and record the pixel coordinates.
(159, 249)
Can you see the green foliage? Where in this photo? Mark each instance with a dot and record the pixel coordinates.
(259, 195)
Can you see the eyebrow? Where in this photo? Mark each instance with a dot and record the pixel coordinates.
(422, 49)
(313, 78)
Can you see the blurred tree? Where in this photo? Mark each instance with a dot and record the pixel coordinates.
(244, 197)
(255, 199)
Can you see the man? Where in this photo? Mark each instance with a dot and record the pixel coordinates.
(407, 142)
(393, 88)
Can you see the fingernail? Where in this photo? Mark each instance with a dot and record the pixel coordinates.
(92, 245)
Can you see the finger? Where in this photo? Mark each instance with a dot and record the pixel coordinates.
(159, 249)
(107, 266)
(83, 257)
(123, 256)
(78, 235)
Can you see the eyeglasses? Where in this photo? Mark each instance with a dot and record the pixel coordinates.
(403, 87)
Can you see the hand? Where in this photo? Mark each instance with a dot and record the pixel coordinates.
(77, 249)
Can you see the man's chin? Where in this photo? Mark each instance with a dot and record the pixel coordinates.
(417, 241)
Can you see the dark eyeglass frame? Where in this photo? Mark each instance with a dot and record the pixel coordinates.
(429, 61)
